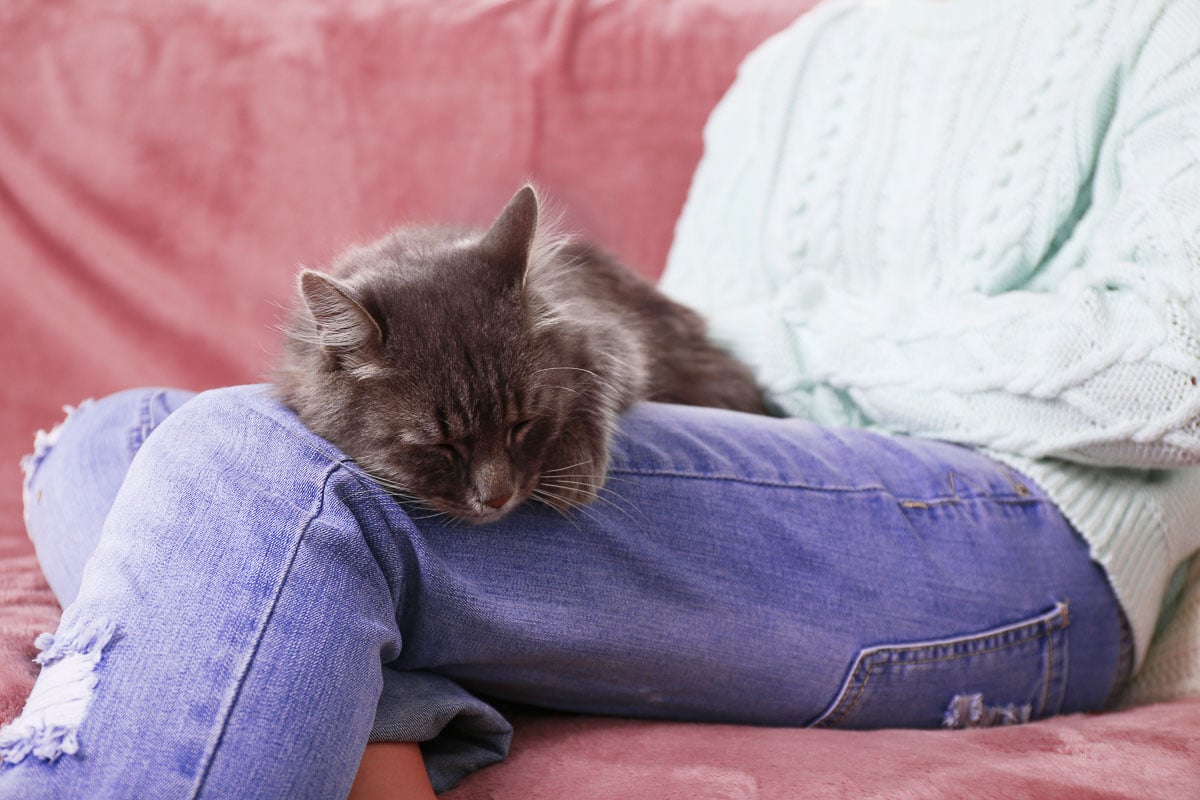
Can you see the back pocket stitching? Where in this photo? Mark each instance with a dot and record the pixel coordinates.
(868, 659)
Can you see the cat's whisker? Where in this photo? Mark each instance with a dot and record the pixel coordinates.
(548, 500)
(375, 487)
(570, 480)
(415, 505)
(433, 515)
(559, 498)
(560, 469)
(364, 492)
(611, 477)
(590, 513)
(601, 491)
(628, 516)
(387, 483)
(622, 505)
(564, 483)
(590, 476)
(395, 489)
(398, 494)
(563, 489)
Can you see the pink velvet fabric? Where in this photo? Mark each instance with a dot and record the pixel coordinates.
(1148, 753)
(165, 167)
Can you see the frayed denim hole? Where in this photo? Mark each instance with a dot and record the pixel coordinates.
(48, 726)
(969, 711)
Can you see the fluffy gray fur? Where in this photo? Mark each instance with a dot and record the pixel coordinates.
(471, 371)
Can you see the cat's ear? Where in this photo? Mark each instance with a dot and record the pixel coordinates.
(343, 324)
(510, 238)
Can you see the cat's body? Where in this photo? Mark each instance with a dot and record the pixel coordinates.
(471, 371)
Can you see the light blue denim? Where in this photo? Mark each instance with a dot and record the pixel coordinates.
(271, 610)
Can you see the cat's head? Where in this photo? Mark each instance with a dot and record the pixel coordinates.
(427, 360)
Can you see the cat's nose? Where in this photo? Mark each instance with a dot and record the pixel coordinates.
(498, 501)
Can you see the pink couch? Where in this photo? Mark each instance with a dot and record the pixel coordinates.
(164, 168)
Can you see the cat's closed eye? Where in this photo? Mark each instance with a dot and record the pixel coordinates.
(452, 452)
(516, 434)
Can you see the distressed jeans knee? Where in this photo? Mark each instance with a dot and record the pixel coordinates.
(229, 581)
(68, 486)
(49, 723)
(74, 472)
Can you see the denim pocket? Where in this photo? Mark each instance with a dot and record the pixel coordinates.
(1011, 673)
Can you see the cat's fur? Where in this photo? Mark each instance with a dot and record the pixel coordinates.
(471, 371)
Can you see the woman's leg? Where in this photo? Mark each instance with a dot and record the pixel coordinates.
(738, 568)
(227, 636)
(749, 569)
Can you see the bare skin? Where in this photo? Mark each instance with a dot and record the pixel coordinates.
(392, 771)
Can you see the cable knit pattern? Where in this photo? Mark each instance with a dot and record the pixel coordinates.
(976, 221)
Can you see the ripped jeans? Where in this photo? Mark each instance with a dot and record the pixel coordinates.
(254, 609)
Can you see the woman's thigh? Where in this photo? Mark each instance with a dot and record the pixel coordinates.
(749, 569)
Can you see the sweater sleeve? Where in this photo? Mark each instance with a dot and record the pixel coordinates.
(1103, 368)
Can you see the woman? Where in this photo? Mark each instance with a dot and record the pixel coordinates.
(956, 240)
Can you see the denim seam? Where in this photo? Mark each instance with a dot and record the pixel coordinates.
(145, 421)
(137, 434)
(374, 493)
(878, 489)
(152, 419)
(1052, 626)
(939, 502)
(748, 481)
(210, 754)
(1124, 655)
(1049, 675)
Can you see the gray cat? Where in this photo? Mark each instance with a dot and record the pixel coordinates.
(470, 371)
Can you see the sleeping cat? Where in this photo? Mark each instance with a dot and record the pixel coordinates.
(470, 371)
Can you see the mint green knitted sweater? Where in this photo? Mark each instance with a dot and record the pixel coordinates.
(976, 221)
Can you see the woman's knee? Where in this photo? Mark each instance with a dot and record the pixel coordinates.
(229, 467)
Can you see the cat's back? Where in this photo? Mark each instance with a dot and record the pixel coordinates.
(581, 271)
(681, 365)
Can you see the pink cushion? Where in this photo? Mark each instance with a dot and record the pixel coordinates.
(26, 609)
(164, 168)
(1150, 753)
